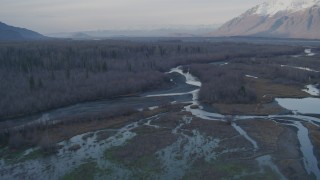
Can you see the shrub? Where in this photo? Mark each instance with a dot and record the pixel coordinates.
(47, 145)
(16, 141)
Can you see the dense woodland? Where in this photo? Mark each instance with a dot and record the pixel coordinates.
(37, 76)
(222, 86)
(227, 84)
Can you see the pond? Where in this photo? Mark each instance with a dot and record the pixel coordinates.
(303, 106)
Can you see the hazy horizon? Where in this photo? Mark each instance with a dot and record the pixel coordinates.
(46, 16)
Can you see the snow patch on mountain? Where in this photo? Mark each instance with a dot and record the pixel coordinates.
(273, 7)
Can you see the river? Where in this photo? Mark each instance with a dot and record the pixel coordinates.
(185, 89)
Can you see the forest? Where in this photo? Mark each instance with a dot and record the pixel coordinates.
(39, 76)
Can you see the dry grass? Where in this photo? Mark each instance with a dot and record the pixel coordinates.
(64, 131)
(53, 133)
(56, 135)
(265, 132)
(249, 109)
(267, 90)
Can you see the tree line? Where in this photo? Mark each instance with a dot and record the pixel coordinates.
(37, 76)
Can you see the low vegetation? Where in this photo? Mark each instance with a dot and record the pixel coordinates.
(46, 135)
(88, 170)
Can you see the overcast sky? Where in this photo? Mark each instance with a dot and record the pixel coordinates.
(49, 16)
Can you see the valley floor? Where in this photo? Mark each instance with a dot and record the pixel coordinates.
(174, 134)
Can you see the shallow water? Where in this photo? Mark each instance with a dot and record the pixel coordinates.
(267, 161)
(180, 156)
(245, 135)
(303, 106)
(250, 76)
(54, 167)
(306, 147)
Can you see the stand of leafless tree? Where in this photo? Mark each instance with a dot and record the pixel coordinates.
(37, 76)
(226, 84)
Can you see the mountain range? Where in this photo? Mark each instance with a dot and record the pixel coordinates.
(276, 18)
(155, 31)
(11, 33)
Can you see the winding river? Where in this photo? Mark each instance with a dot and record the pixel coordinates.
(301, 106)
(185, 90)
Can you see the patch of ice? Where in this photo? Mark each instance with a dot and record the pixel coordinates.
(309, 52)
(153, 107)
(28, 151)
(190, 79)
(301, 68)
(173, 102)
(169, 94)
(312, 90)
(250, 76)
(148, 123)
(296, 56)
(199, 112)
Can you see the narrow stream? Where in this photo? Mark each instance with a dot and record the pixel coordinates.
(245, 135)
(306, 147)
(198, 111)
(267, 161)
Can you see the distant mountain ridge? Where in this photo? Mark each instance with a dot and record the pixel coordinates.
(277, 18)
(165, 31)
(11, 33)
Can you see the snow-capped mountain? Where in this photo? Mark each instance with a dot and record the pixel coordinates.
(272, 7)
(277, 18)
